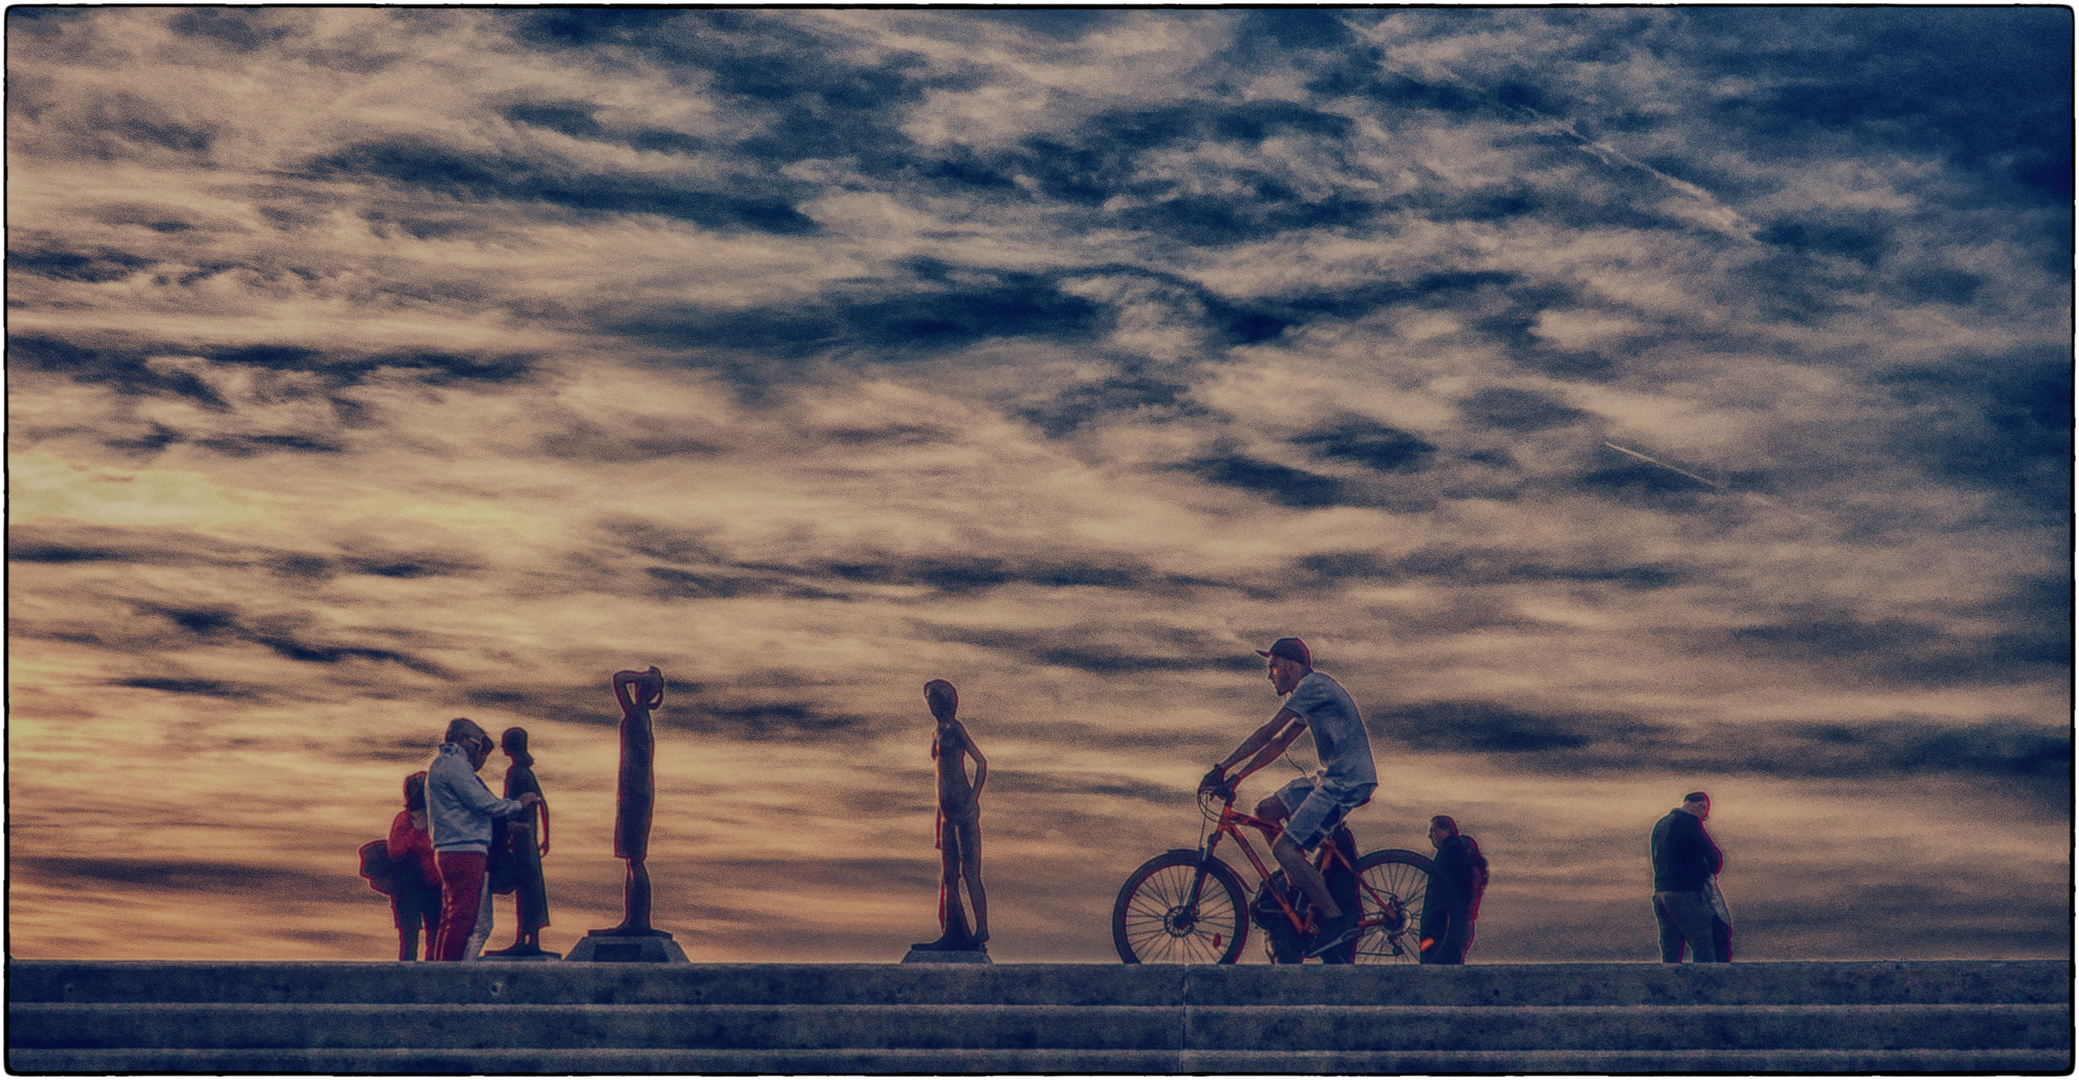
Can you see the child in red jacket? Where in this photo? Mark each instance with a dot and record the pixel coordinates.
(415, 903)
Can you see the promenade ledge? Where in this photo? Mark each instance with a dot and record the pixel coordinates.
(387, 1017)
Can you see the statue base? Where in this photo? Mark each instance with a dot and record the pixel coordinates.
(521, 953)
(616, 947)
(976, 955)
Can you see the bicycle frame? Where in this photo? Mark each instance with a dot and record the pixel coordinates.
(1231, 823)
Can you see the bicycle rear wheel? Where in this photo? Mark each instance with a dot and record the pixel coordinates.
(1391, 886)
(1180, 908)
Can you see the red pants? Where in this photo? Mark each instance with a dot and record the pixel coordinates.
(461, 893)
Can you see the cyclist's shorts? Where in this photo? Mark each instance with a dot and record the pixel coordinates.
(1317, 806)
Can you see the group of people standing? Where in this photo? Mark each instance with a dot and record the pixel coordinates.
(459, 844)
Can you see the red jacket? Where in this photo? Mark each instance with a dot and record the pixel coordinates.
(407, 839)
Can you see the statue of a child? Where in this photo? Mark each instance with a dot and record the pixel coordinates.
(959, 823)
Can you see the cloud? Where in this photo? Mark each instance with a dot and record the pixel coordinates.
(286, 636)
(928, 318)
(176, 877)
(1108, 650)
(1369, 443)
(770, 721)
(139, 368)
(1998, 748)
(170, 547)
(476, 176)
(1489, 727)
(1511, 409)
(1281, 484)
(202, 687)
(1906, 652)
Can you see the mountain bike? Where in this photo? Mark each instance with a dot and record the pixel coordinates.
(1188, 906)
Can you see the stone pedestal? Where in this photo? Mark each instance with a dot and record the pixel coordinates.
(536, 956)
(947, 956)
(609, 949)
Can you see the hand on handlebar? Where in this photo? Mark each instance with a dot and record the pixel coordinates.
(1216, 783)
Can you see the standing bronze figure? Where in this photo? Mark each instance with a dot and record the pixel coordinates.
(527, 840)
(636, 799)
(959, 826)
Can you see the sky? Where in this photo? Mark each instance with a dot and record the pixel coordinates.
(1619, 401)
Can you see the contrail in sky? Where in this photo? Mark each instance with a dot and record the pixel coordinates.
(1771, 504)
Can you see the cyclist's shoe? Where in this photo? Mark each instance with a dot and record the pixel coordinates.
(1335, 934)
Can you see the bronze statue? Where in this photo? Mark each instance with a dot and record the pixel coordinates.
(530, 891)
(636, 798)
(959, 824)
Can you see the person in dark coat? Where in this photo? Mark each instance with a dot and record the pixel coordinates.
(1453, 900)
(1684, 862)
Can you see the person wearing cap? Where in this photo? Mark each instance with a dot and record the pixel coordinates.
(1310, 807)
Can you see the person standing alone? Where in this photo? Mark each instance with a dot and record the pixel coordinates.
(1453, 899)
(1684, 862)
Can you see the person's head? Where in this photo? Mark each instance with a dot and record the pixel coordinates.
(943, 699)
(415, 791)
(515, 743)
(1698, 803)
(1289, 663)
(1441, 828)
(471, 738)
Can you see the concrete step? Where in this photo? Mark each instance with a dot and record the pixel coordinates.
(1291, 1028)
(1818, 982)
(384, 1017)
(1146, 1062)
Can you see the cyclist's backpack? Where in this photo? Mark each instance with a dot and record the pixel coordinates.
(1479, 862)
(377, 867)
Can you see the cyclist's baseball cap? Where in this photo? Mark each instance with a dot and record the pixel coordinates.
(1290, 648)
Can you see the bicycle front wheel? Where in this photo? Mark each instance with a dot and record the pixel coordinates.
(1180, 908)
(1391, 886)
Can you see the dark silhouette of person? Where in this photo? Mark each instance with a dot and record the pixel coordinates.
(415, 895)
(1310, 807)
(527, 846)
(635, 798)
(1684, 862)
(1453, 900)
(460, 810)
(959, 823)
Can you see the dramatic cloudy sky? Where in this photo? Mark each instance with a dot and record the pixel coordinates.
(368, 367)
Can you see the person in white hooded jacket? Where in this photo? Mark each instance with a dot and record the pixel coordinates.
(459, 812)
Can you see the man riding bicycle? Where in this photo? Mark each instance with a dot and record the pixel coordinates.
(1310, 807)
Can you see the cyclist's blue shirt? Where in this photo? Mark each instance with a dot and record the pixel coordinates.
(1339, 735)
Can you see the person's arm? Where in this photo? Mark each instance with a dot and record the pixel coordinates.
(1697, 849)
(478, 797)
(649, 687)
(1260, 742)
(1294, 728)
(981, 763)
(544, 826)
